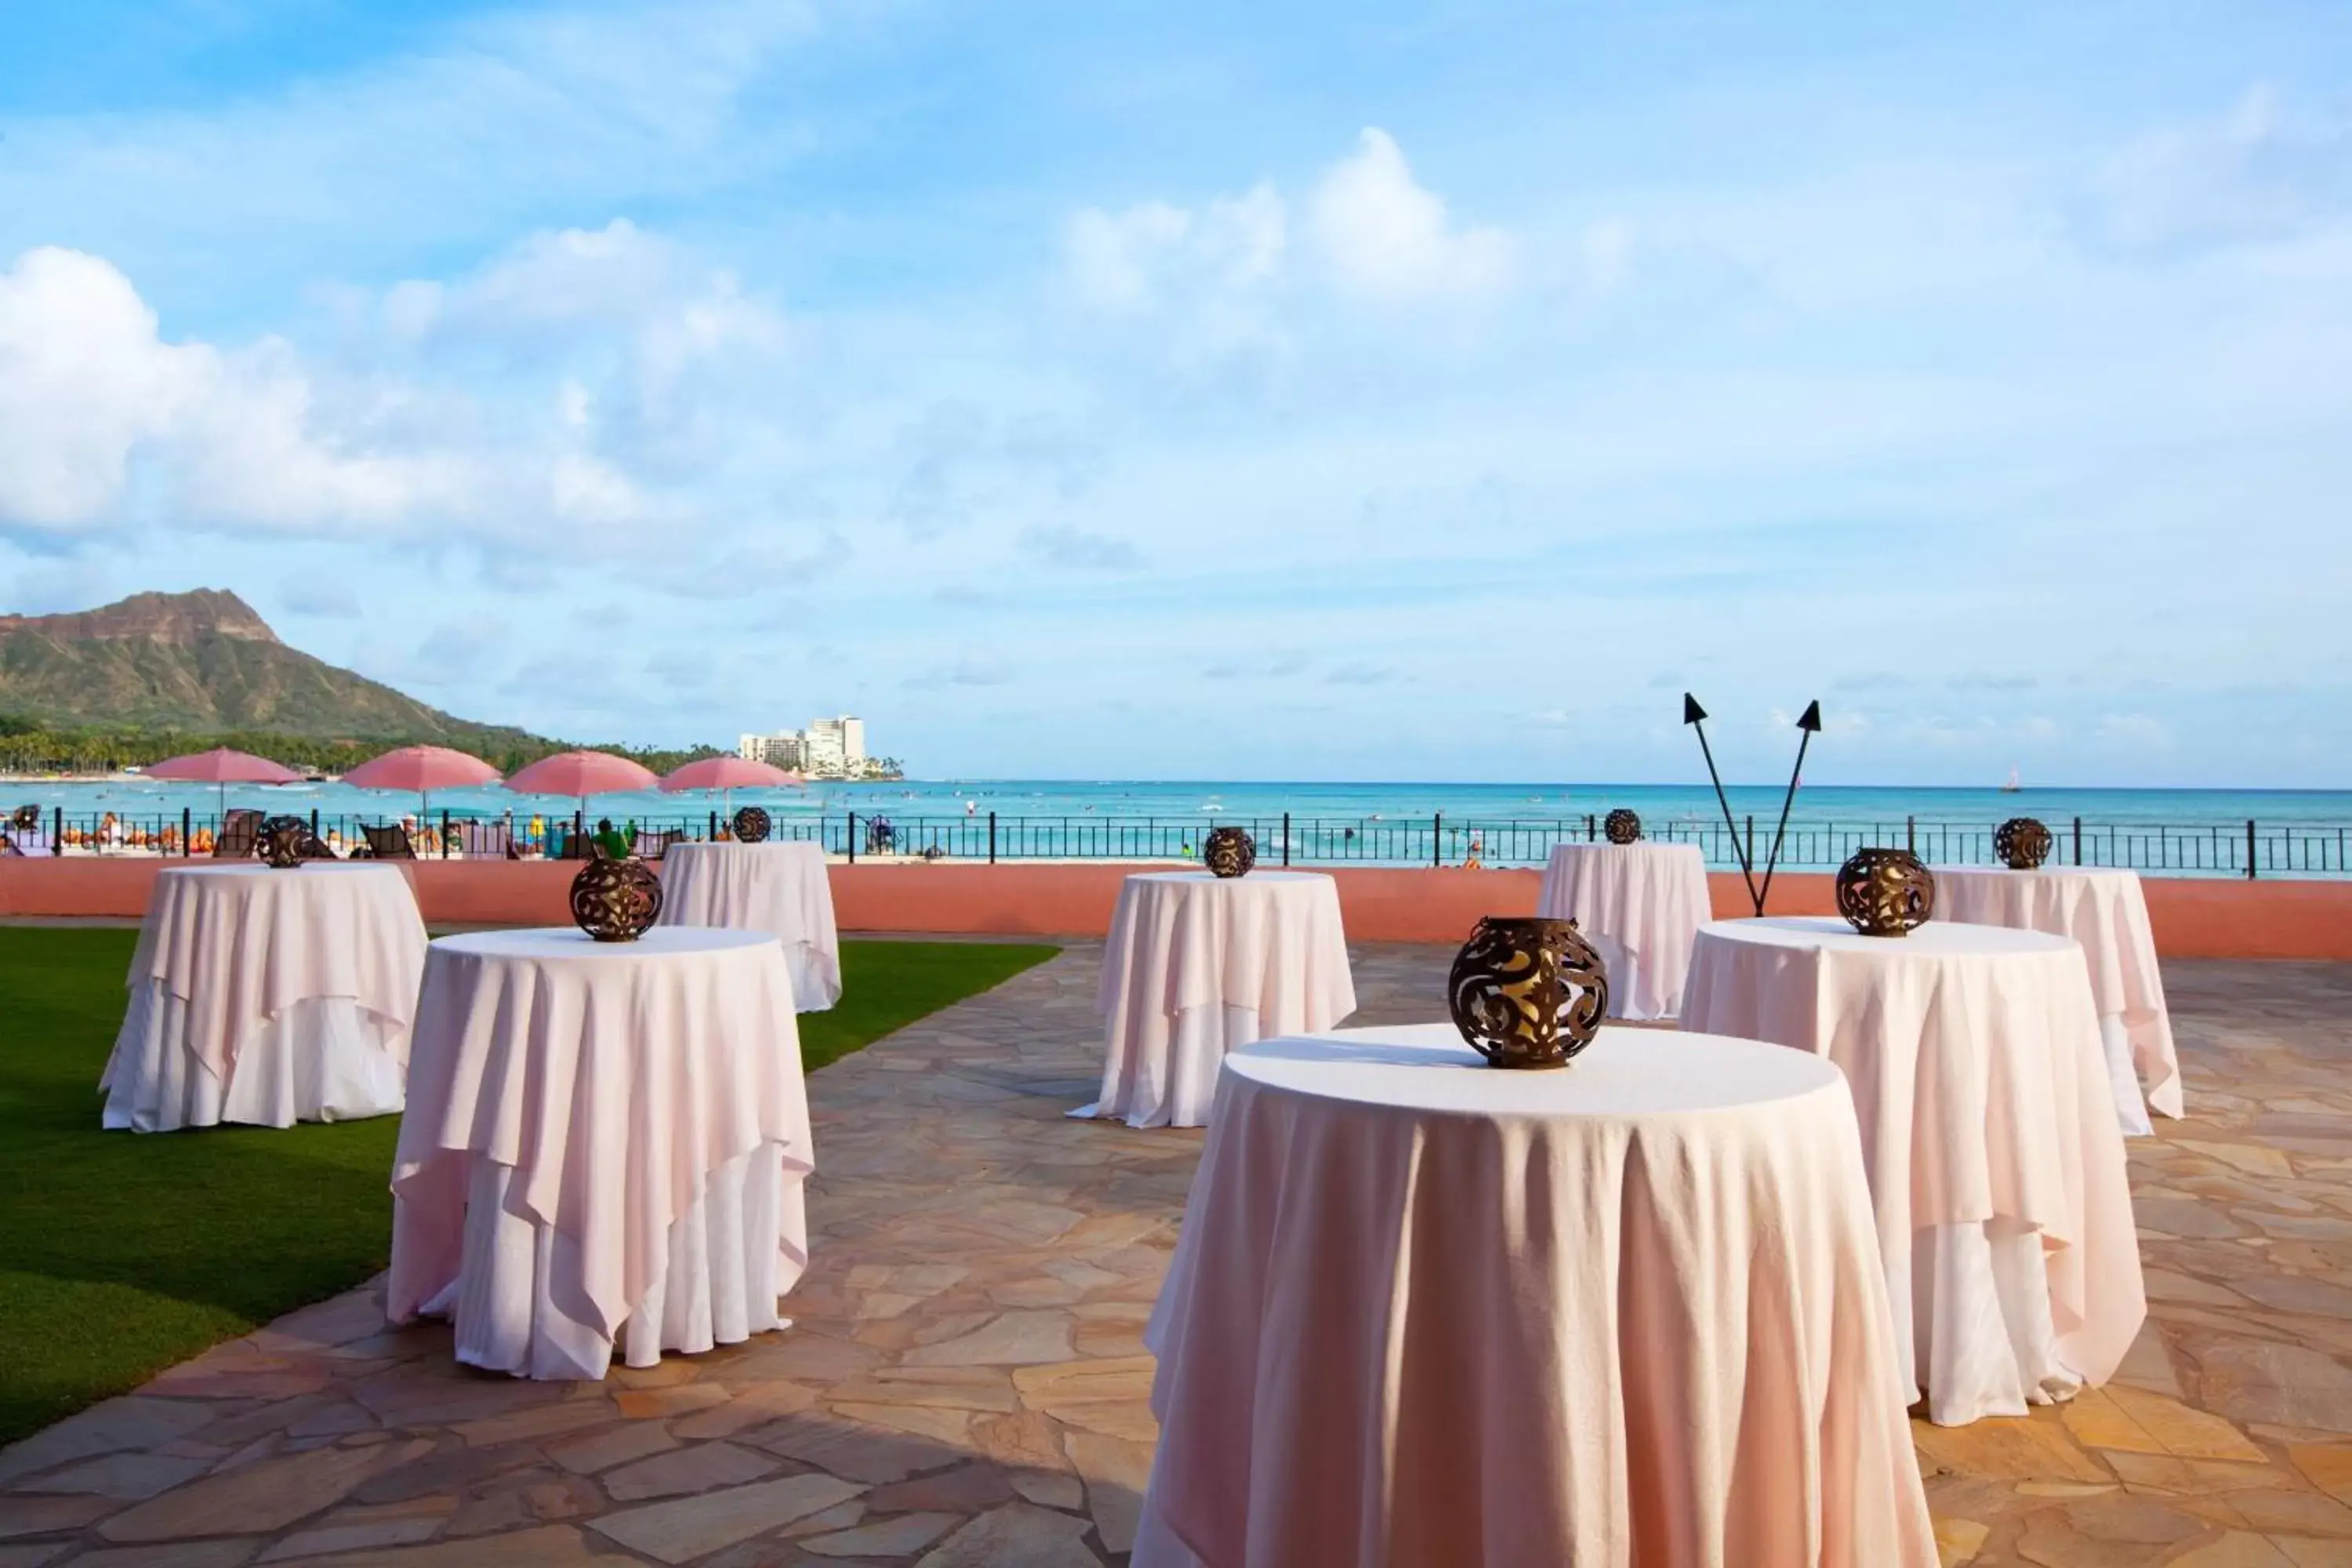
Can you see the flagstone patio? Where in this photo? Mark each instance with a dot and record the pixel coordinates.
(966, 1385)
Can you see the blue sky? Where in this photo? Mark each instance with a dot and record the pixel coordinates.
(1359, 392)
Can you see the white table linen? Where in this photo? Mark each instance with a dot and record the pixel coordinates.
(1996, 1166)
(1641, 905)
(1629, 1312)
(267, 997)
(1197, 965)
(605, 1143)
(2104, 910)
(780, 887)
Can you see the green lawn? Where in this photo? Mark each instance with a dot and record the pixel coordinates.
(120, 1254)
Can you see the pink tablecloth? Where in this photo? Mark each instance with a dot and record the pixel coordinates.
(616, 1112)
(778, 887)
(2105, 913)
(1625, 1315)
(1197, 965)
(1996, 1166)
(1641, 905)
(267, 997)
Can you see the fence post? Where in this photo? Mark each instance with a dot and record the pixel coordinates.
(2078, 841)
(992, 837)
(1751, 839)
(1591, 830)
(314, 825)
(713, 838)
(1437, 839)
(58, 830)
(1285, 838)
(853, 838)
(1910, 834)
(2249, 849)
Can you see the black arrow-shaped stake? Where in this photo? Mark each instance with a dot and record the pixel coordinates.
(1810, 724)
(1695, 717)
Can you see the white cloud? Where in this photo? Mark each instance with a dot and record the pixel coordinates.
(102, 419)
(1386, 237)
(89, 389)
(589, 299)
(1607, 248)
(1152, 253)
(1084, 551)
(2262, 172)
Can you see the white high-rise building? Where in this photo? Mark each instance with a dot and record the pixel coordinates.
(841, 739)
(828, 748)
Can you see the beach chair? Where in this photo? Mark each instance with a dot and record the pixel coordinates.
(389, 843)
(317, 849)
(9, 848)
(240, 835)
(652, 845)
(487, 840)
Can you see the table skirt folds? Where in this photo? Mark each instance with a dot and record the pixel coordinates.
(1360, 1366)
(1986, 1344)
(1147, 1085)
(514, 1302)
(816, 976)
(326, 1058)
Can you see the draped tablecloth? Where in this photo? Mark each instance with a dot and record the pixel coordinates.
(1641, 905)
(1988, 1128)
(1628, 1314)
(267, 997)
(604, 1142)
(1198, 965)
(2105, 911)
(777, 887)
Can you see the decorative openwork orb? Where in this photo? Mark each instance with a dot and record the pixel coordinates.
(616, 899)
(283, 842)
(25, 819)
(752, 825)
(1528, 993)
(1885, 892)
(1622, 825)
(2020, 843)
(1229, 852)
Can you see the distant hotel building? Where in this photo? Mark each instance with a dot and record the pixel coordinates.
(827, 749)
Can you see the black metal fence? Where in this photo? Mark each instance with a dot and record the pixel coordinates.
(2210, 849)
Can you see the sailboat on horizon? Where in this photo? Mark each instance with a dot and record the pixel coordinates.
(2012, 786)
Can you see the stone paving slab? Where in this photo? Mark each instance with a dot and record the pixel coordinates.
(966, 1383)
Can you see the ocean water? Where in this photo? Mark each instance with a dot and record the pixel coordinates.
(2297, 831)
(1206, 800)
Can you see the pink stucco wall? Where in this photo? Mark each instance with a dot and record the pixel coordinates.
(2194, 918)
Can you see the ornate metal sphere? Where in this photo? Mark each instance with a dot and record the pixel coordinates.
(25, 819)
(615, 901)
(1528, 993)
(752, 825)
(1621, 826)
(284, 842)
(1885, 892)
(1229, 852)
(2020, 843)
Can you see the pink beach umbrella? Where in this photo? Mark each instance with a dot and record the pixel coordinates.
(583, 774)
(224, 767)
(728, 774)
(422, 769)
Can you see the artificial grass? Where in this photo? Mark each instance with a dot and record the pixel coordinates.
(122, 1253)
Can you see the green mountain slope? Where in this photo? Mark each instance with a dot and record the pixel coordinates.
(204, 664)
